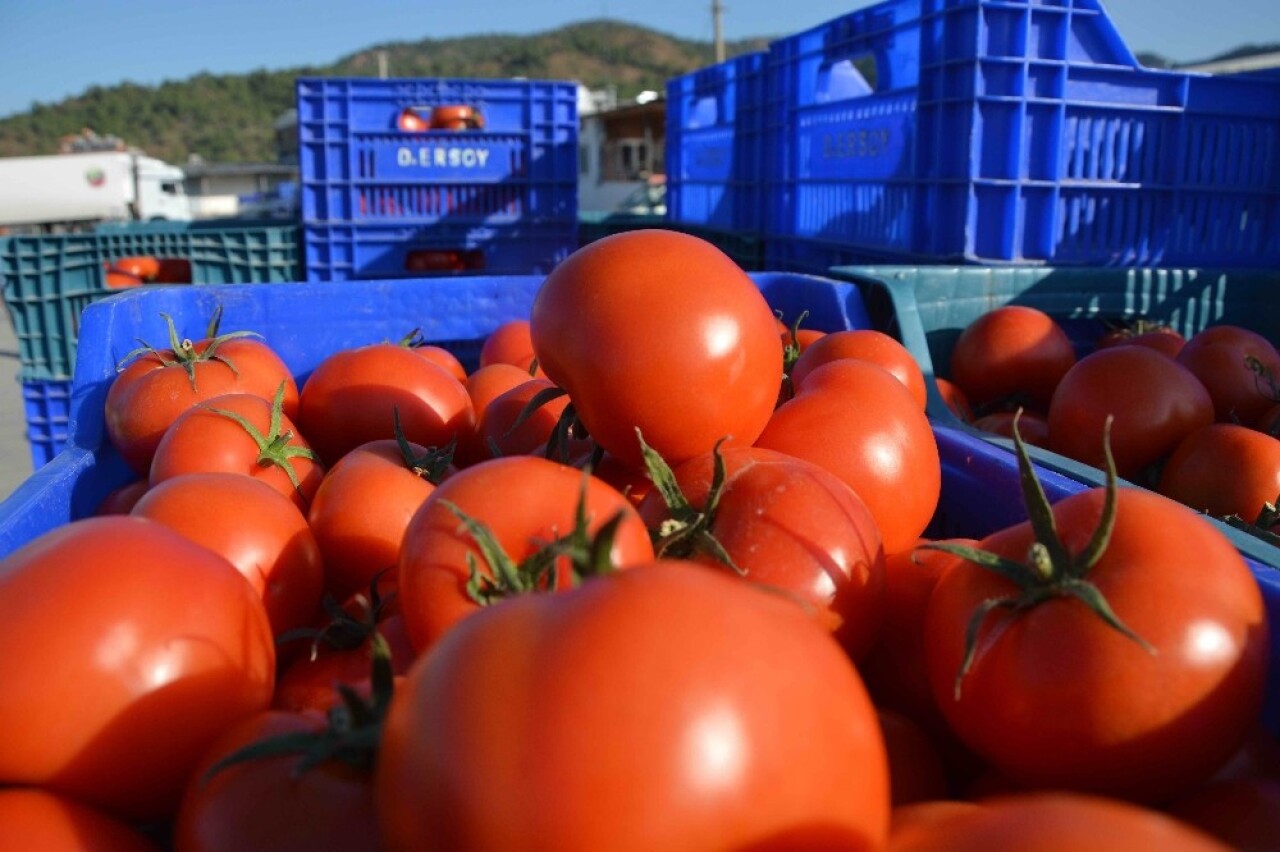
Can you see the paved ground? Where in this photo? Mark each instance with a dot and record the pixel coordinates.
(15, 455)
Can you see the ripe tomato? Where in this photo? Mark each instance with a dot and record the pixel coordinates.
(525, 502)
(484, 386)
(1243, 813)
(1156, 403)
(1058, 697)
(1219, 356)
(443, 357)
(509, 343)
(1033, 428)
(117, 280)
(158, 644)
(916, 772)
(411, 121)
(862, 424)
(954, 399)
(362, 509)
(34, 819)
(1012, 351)
(264, 803)
(664, 707)
(120, 500)
(787, 523)
(143, 266)
(252, 526)
(1224, 469)
(1163, 339)
(867, 345)
(149, 394)
(500, 427)
(311, 683)
(1055, 822)
(212, 437)
(456, 117)
(659, 331)
(353, 395)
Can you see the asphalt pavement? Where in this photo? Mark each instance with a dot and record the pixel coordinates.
(15, 454)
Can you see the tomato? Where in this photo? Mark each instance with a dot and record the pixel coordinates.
(353, 395)
(484, 386)
(174, 270)
(143, 266)
(659, 331)
(33, 819)
(668, 706)
(914, 826)
(253, 527)
(1243, 813)
(1156, 402)
(787, 523)
(362, 509)
(508, 427)
(1224, 469)
(633, 484)
(509, 343)
(240, 433)
(525, 502)
(411, 121)
(456, 117)
(311, 683)
(149, 394)
(1165, 340)
(954, 399)
(155, 645)
(916, 772)
(862, 424)
(1055, 822)
(1033, 428)
(265, 803)
(443, 357)
(120, 500)
(1058, 697)
(117, 280)
(1014, 351)
(868, 345)
(1220, 357)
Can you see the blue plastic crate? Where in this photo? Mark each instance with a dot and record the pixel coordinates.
(345, 251)
(49, 280)
(47, 406)
(358, 166)
(715, 156)
(927, 307)
(1016, 131)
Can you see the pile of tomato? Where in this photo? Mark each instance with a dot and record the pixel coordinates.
(1195, 419)
(652, 575)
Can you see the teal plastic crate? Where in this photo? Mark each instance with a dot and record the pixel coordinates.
(927, 307)
(48, 281)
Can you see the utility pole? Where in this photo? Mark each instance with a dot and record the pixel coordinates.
(717, 24)
(382, 64)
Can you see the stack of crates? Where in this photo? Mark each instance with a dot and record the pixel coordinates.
(48, 281)
(412, 177)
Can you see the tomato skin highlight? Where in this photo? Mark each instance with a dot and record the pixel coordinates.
(158, 645)
(662, 707)
(693, 349)
(1058, 698)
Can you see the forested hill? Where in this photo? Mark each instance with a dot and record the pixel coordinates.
(229, 117)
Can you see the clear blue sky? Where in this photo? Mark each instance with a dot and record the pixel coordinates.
(51, 49)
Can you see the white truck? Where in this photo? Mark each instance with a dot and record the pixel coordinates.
(70, 191)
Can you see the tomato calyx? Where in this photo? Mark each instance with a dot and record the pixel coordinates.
(274, 448)
(1264, 379)
(1049, 571)
(182, 352)
(791, 350)
(345, 630)
(568, 426)
(687, 531)
(587, 555)
(352, 732)
(431, 465)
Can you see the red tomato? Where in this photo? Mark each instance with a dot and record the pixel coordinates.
(659, 331)
(255, 528)
(1032, 428)
(144, 266)
(32, 819)
(509, 343)
(1143, 718)
(150, 393)
(867, 345)
(791, 524)
(443, 357)
(1219, 357)
(496, 425)
(483, 386)
(525, 502)
(1224, 469)
(1162, 339)
(633, 484)
(156, 645)
(311, 683)
(174, 270)
(954, 399)
(352, 396)
(1012, 351)
(411, 121)
(862, 424)
(915, 766)
(1243, 813)
(204, 439)
(264, 803)
(456, 117)
(120, 500)
(914, 826)
(665, 707)
(117, 280)
(362, 509)
(1056, 822)
(1156, 403)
